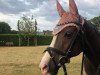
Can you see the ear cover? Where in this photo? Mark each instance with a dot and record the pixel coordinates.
(67, 17)
(73, 8)
(60, 9)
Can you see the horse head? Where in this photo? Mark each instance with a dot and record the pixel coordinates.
(66, 40)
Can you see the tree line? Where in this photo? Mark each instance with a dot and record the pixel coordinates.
(6, 29)
(27, 26)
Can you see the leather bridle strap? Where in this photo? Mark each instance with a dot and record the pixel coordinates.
(64, 68)
(82, 64)
(55, 50)
(50, 50)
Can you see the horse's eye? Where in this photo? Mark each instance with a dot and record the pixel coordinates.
(68, 34)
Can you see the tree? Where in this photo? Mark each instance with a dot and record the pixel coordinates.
(14, 32)
(5, 28)
(19, 32)
(26, 26)
(96, 21)
(35, 32)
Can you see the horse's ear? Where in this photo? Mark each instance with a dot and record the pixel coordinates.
(73, 7)
(60, 9)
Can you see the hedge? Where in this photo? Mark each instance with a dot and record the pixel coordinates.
(41, 39)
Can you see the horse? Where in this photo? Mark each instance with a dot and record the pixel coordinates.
(72, 35)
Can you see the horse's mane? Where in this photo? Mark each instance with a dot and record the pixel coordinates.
(93, 42)
(92, 28)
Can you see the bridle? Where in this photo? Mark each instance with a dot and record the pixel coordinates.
(84, 45)
(66, 56)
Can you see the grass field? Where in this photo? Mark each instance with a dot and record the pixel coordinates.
(25, 61)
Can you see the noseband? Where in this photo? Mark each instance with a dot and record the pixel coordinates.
(66, 56)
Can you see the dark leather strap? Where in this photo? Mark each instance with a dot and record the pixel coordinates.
(56, 51)
(52, 57)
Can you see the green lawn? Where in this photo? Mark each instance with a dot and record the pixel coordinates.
(25, 61)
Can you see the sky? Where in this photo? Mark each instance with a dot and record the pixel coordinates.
(44, 11)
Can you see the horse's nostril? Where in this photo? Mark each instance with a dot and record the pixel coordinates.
(44, 67)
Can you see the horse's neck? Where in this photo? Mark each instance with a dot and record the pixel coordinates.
(93, 38)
